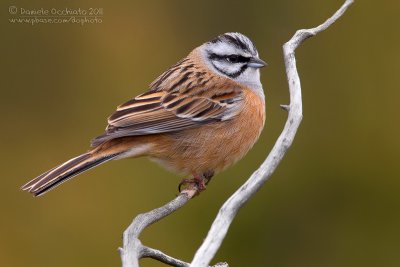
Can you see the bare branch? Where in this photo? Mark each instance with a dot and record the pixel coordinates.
(133, 249)
(285, 107)
(162, 257)
(229, 210)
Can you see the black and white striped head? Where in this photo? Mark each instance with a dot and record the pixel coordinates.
(235, 56)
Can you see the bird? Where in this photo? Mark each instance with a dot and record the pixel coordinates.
(197, 118)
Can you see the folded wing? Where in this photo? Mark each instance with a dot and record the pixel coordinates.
(168, 111)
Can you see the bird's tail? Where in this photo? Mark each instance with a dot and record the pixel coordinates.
(58, 175)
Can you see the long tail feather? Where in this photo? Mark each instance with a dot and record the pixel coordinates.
(60, 174)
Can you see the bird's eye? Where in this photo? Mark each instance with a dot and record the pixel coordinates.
(233, 58)
(236, 59)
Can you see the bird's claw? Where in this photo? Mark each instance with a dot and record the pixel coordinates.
(196, 183)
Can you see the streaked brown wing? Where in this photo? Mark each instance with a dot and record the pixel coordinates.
(161, 112)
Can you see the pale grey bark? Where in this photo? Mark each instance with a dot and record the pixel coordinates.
(133, 250)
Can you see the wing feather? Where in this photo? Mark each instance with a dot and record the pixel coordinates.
(163, 111)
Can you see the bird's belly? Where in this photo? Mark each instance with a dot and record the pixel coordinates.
(198, 153)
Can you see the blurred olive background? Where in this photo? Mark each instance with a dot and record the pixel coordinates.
(334, 200)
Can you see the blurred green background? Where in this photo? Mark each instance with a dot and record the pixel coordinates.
(334, 200)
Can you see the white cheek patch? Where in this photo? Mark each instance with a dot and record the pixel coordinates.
(226, 67)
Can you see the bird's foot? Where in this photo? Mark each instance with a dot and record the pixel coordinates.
(196, 184)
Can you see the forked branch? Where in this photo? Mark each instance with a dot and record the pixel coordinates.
(133, 250)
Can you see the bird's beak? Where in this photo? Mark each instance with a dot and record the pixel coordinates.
(256, 63)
